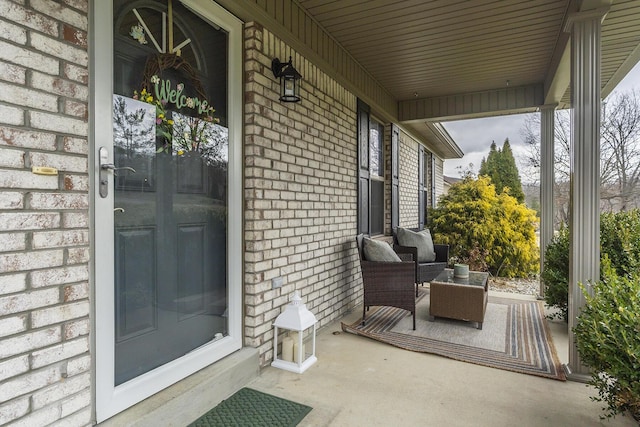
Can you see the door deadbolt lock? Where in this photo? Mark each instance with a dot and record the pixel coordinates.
(105, 167)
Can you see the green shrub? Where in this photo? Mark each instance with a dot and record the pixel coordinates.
(491, 231)
(555, 273)
(608, 340)
(619, 240)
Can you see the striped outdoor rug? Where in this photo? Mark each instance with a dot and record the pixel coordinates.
(514, 335)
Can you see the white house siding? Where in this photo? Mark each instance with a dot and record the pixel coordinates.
(300, 193)
(44, 224)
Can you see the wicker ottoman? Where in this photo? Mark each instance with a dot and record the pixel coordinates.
(462, 299)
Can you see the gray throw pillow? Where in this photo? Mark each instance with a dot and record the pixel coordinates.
(421, 240)
(376, 250)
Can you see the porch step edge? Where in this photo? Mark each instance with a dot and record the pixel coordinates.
(186, 400)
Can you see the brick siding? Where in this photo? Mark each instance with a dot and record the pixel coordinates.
(300, 193)
(439, 184)
(44, 224)
(408, 181)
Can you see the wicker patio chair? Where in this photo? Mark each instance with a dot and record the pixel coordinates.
(387, 283)
(424, 271)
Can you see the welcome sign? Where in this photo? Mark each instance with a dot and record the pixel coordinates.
(165, 91)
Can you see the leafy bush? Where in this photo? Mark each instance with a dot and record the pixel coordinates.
(488, 230)
(555, 273)
(608, 340)
(619, 240)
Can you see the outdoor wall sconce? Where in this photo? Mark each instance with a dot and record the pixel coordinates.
(289, 80)
(296, 319)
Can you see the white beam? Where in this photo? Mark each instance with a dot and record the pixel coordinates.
(520, 99)
(556, 85)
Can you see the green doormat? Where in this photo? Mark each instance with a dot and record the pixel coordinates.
(252, 408)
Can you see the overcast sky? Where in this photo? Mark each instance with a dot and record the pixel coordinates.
(474, 136)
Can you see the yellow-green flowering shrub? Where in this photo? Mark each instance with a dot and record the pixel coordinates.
(482, 227)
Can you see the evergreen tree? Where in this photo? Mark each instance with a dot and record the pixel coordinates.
(489, 166)
(500, 166)
(509, 172)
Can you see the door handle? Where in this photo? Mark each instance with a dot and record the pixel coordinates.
(112, 167)
(105, 167)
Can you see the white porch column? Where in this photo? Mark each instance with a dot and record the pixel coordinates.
(547, 180)
(584, 225)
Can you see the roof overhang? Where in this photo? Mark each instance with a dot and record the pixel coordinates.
(434, 136)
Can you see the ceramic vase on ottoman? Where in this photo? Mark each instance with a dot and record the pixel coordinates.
(461, 271)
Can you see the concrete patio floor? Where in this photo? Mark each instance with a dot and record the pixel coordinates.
(361, 382)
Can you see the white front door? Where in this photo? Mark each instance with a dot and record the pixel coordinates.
(167, 195)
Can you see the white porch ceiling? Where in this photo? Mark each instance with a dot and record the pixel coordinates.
(445, 47)
(433, 56)
(423, 61)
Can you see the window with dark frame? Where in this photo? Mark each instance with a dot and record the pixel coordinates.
(370, 173)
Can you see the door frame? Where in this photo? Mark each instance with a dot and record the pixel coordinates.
(108, 398)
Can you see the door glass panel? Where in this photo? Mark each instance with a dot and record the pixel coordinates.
(170, 184)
